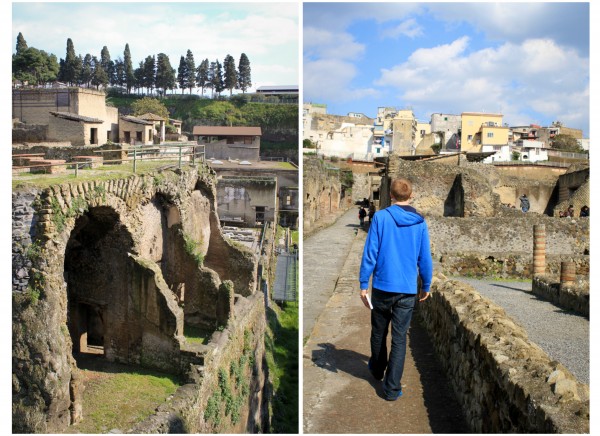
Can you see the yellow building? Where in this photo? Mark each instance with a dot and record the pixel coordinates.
(479, 129)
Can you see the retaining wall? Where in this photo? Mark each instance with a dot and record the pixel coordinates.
(576, 297)
(504, 382)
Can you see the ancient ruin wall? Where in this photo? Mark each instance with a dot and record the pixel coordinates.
(46, 396)
(504, 246)
(228, 395)
(322, 193)
(575, 297)
(504, 382)
(468, 190)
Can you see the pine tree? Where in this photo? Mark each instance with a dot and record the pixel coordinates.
(71, 67)
(119, 75)
(230, 75)
(182, 74)
(244, 78)
(149, 73)
(86, 70)
(139, 76)
(165, 73)
(21, 44)
(129, 76)
(217, 78)
(107, 65)
(99, 76)
(190, 71)
(202, 79)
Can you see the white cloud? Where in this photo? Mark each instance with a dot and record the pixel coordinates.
(330, 80)
(536, 75)
(321, 43)
(409, 28)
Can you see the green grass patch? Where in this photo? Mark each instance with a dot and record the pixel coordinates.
(120, 400)
(196, 335)
(281, 344)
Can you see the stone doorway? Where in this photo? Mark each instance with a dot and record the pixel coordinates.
(88, 329)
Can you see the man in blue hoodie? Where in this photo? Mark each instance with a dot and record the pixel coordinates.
(396, 252)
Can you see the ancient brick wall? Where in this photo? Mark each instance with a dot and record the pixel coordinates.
(322, 192)
(29, 133)
(504, 382)
(52, 225)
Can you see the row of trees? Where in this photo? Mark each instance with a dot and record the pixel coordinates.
(153, 73)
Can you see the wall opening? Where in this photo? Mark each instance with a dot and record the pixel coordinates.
(97, 270)
(93, 135)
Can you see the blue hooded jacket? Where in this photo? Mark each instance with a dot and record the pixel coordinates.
(397, 242)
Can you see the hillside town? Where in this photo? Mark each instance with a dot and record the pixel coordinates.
(482, 136)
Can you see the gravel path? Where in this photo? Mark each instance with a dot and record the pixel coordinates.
(565, 336)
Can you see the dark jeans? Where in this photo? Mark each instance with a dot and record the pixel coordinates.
(397, 309)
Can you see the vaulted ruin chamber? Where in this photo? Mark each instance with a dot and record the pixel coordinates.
(96, 268)
(119, 306)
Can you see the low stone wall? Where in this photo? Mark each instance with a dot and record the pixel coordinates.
(504, 382)
(29, 133)
(227, 395)
(508, 235)
(506, 265)
(576, 297)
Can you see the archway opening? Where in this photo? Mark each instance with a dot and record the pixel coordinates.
(96, 272)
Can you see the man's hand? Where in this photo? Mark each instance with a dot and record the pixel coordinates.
(363, 297)
(423, 296)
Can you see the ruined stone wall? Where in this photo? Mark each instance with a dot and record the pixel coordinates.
(322, 192)
(504, 382)
(508, 235)
(46, 391)
(33, 106)
(575, 297)
(29, 133)
(361, 186)
(239, 198)
(468, 189)
(222, 150)
(228, 395)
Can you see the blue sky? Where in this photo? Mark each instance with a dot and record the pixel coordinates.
(528, 61)
(267, 32)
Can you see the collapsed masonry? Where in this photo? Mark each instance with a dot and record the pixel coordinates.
(118, 268)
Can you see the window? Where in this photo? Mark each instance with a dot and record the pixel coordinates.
(469, 137)
(490, 134)
(378, 150)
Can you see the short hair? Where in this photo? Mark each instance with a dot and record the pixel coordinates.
(401, 189)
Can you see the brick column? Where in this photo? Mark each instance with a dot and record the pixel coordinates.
(539, 249)
(567, 274)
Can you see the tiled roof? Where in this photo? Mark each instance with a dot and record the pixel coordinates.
(75, 117)
(150, 117)
(226, 131)
(136, 120)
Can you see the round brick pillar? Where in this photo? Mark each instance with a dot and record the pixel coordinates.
(539, 249)
(567, 274)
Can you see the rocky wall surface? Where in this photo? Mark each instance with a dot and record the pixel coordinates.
(508, 235)
(575, 297)
(322, 192)
(467, 190)
(506, 265)
(504, 382)
(227, 395)
(46, 386)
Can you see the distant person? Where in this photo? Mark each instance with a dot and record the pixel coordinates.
(524, 203)
(371, 212)
(362, 213)
(570, 211)
(396, 252)
(584, 212)
(365, 202)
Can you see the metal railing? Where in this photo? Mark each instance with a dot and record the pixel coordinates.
(134, 154)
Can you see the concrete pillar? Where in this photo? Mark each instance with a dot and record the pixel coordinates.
(567, 274)
(539, 249)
